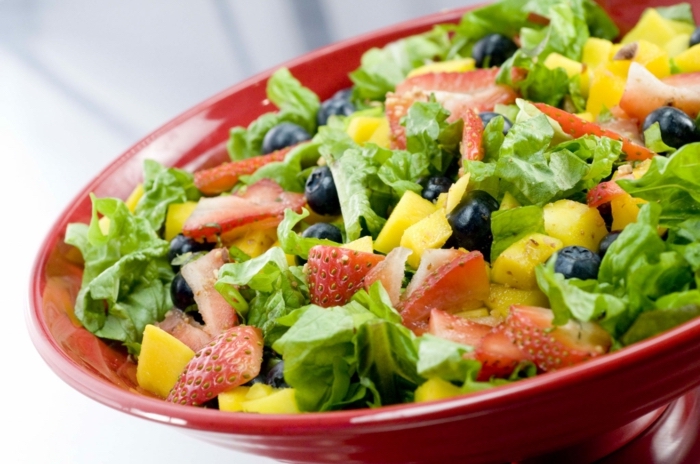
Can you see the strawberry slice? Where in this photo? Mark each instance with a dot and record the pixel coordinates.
(457, 329)
(184, 328)
(233, 358)
(472, 149)
(644, 92)
(335, 274)
(498, 355)
(262, 205)
(224, 177)
(577, 127)
(603, 193)
(450, 280)
(390, 273)
(459, 93)
(554, 347)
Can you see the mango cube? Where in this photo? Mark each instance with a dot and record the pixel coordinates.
(555, 60)
(363, 244)
(381, 135)
(574, 224)
(508, 202)
(161, 361)
(458, 65)
(656, 29)
(689, 60)
(259, 390)
(361, 128)
(606, 89)
(625, 209)
(430, 232)
(516, 265)
(134, 198)
(596, 52)
(232, 400)
(456, 192)
(409, 210)
(502, 297)
(678, 45)
(256, 242)
(435, 389)
(176, 217)
(282, 401)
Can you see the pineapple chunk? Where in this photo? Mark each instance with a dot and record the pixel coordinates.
(596, 52)
(678, 45)
(458, 65)
(441, 201)
(363, 244)
(435, 389)
(508, 202)
(361, 128)
(162, 360)
(624, 211)
(574, 224)
(282, 401)
(555, 60)
(689, 60)
(606, 89)
(381, 135)
(516, 265)
(176, 217)
(104, 224)
(656, 29)
(256, 242)
(456, 192)
(232, 400)
(586, 116)
(259, 390)
(430, 232)
(409, 210)
(651, 56)
(502, 297)
(134, 198)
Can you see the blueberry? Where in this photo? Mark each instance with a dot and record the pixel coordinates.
(275, 377)
(324, 230)
(695, 37)
(338, 105)
(181, 245)
(606, 242)
(677, 128)
(487, 116)
(321, 194)
(471, 222)
(577, 262)
(493, 50)
(181, 293)
(284, 135)
(434, 186)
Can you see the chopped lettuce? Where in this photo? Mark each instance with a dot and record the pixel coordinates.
(293, 243)
(510, 225)
(291, 173)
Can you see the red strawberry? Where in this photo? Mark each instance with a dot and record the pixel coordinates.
(230, 360)
(498, 355)
(262, 205)
(457, 329)
(450, 280)
(224, 177)
(577, 127)
(390, 273)
(554, 347)
(335, 274)
(603, 193)
(472, 149)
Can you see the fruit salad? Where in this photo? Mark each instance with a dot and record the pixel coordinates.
(489, 201)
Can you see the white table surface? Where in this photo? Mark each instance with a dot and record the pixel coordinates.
(79, 83)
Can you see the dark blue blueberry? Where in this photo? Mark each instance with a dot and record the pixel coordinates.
(487, 116)
(471, 222)
(275, 377)
(321, 194)
(677, 128)
(577, 262)
(181, 245)
(493, 50)
(181, 293)
(338, 105)
(434, 186)
(284, 135)
(324, 230)
(695, 37)
(606, 242)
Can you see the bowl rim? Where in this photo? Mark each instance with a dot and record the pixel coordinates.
(347, 422)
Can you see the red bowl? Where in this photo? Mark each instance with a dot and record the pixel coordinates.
(574, 415)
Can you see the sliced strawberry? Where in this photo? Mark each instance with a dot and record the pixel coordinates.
(457, 329)
(644, 93)
(201, 275)
(390, 273)
(224, 177)
(554, 347)
(261, 205)
(498, 355)
(335, 274)
(472, 149)
(184, 328)
(449, 280)
(459, 93)
(233, 358)
(603, 193)
(577, 127)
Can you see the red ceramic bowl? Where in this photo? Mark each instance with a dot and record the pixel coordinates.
(575, 415)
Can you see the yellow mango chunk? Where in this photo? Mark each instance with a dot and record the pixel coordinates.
(162, 360)
(430, 232)
(650, 55)
(596, 52)
(104, 225)
(410, 209)
(363, 244)
(381, 135)
(586, 116)
(456, 192)
(689, 60)
(555, 60)
(361, 128)
(677, 45)
(280, 401)
(508, 202)
(502, 297)
(134, 198)
(574, 224)
(516, 265)
(641, 169)
(256, 242)
(474, 313)
(624, 211)
(176, 217)
(259, 390)
(606, 89)
(656, 29)
(232, 400)
(435, 389)
(441, 201)
(458, 65)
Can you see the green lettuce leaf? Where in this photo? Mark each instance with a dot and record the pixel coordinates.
(510, 225)
(442, 358)
(653, 140)
(291, 173)
(682, 12)
(293, 243)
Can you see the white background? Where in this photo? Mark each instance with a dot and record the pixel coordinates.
(80, 82)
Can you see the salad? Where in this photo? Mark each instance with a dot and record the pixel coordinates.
(490, 201)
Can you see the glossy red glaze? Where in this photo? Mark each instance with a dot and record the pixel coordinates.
(579, 414)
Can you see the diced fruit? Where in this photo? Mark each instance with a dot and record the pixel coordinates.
(678, 45)
(321, 193)
(435, 389)
(676, 127)
(450, 280)
(361, 128)
(603, 193)
(471, 222)
(232, 400)
(554, 347)
(176, 217)
(498, 355)
(338, 105)
(363, 244)
(508, 202)
(656, 29)
(502, 297)
(458, 65)
(230, 360)
(577, 127)
(162, 359)
(607, 85)
(474, 314)
(574, 224)
(390, 273)
(256, 242)
(689, 60)
(493, 50)
(324, 230)
(471, 147)
(456, 192)
(409, 210)
(134, 198)
(283, 135)
(430, 232)
(104, 223)
(596, 52)
(434, 186)
(516, 265)
(382, 135)
(624, 211)
(652, 57)
(576, 262)
(456, 329)
(335, 274)
(259, 390)
(281, 401)
(572, 68)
